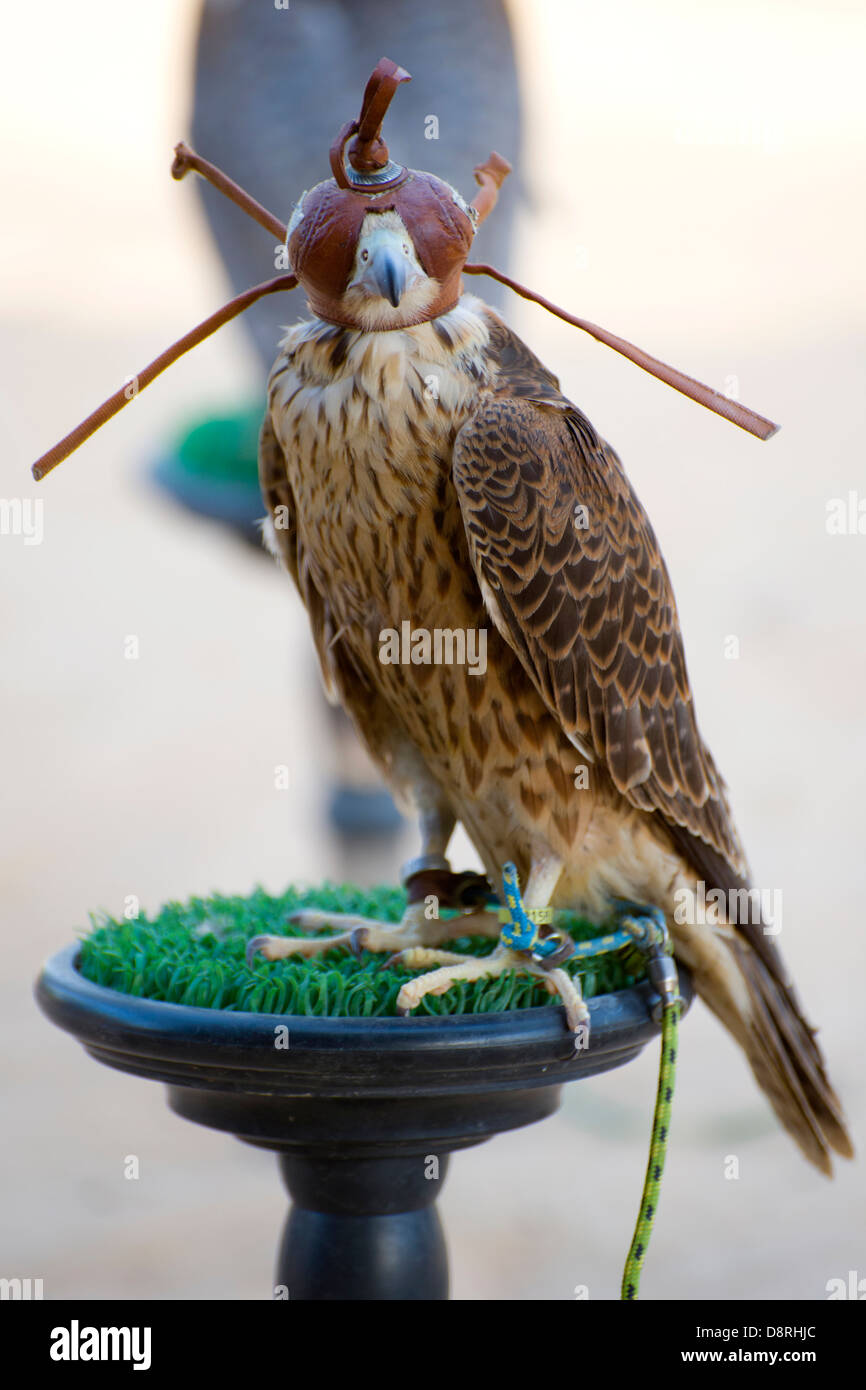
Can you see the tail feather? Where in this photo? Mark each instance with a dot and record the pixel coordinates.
(787, 1063)
(739, 972)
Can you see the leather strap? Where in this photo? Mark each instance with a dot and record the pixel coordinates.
(368, 151)
(466, 890)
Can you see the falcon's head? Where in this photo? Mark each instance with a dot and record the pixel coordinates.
(388, 287)
(380, 246)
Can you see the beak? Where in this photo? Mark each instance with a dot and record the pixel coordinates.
(388, 272)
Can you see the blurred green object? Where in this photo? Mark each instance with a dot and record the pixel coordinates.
(194, 953)
(224, 446)
(212, 470)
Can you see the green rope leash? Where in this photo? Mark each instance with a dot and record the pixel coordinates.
(646, 928)
(658, 1150)
(650, 933)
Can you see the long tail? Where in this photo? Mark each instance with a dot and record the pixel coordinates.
(788, 1064)
(760, 1009)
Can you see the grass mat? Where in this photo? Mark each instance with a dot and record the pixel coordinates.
(193, 953)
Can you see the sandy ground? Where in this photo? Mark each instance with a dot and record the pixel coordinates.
(693, 188)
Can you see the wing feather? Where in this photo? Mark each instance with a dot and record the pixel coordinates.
(564, 550)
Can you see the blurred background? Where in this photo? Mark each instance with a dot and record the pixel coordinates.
(690, 178)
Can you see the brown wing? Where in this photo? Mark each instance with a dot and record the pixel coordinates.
(584, 599)
(572, 575)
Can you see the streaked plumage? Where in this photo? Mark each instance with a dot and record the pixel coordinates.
(432, 473)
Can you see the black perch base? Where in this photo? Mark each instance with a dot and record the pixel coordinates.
(363, 1228)
(362, 1112)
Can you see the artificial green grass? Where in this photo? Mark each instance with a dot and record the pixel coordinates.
(193, 953)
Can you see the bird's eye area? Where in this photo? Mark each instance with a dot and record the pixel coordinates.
(365, 255)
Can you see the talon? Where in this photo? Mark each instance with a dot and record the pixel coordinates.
(253, 946)
(356, 942)
(387, 963)
(579, 1023)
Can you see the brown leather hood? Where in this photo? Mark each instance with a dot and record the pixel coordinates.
(322, 246)
(323, 236)
(322, 239)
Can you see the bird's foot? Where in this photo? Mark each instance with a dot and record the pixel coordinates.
(414, 943)
(502, 958)
(523, 946)
(357, 934)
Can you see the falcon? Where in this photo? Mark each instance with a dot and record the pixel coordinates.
(421, 465)
(425, 477)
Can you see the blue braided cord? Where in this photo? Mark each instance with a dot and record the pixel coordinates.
(613, 941)
(519, 932)
(647, 924)
(644, 926)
